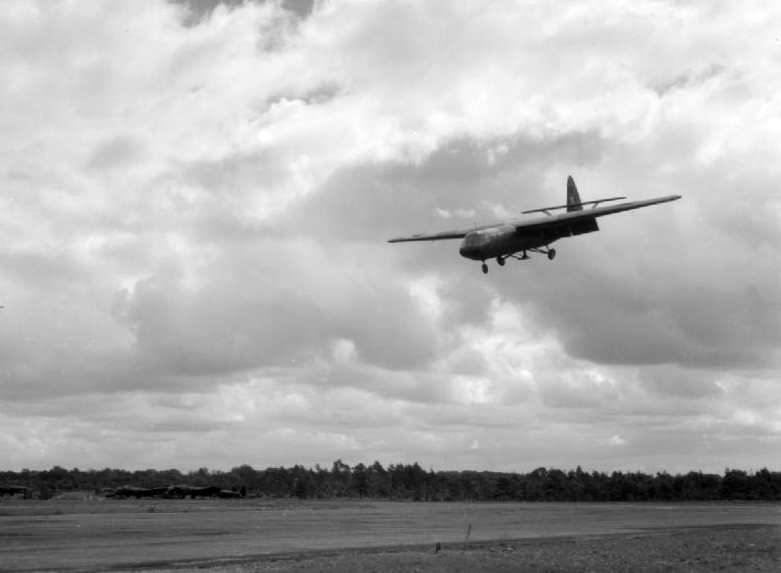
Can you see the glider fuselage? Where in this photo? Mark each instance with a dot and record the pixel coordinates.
(500, 240)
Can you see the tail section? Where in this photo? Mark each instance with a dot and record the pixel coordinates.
(573, 197)
(575, 204)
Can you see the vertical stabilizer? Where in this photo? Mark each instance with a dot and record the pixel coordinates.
(573, 198)
(581, 226)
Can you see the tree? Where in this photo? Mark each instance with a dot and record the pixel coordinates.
(379, 482)
(359, 483)
(736, 485)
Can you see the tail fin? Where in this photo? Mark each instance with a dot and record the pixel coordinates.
(573, 198)
(574, 203)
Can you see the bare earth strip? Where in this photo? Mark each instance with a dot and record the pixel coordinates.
(699, 550)
(255, 535)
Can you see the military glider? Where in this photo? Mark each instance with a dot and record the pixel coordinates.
(516, 239)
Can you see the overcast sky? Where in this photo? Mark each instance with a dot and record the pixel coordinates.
(195, 199)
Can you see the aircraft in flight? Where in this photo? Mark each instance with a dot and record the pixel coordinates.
(515, 239)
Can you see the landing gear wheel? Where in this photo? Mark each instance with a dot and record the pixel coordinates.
(485, 269)
(500, 260)
(551, 254)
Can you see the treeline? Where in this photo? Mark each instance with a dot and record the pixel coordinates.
(412, 482)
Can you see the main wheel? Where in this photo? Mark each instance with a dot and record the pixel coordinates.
(500, 260)
(551, 254)
(485, 269)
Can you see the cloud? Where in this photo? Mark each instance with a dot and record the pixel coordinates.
(199, 11)
(197, 198)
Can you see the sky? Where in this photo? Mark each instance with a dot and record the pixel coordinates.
(196, 198)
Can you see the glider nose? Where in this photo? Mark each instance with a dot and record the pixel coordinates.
(470, 252)
(470, 247)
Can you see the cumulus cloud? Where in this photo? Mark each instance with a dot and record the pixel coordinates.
(197, 194)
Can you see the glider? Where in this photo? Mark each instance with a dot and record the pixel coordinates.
(515, 239)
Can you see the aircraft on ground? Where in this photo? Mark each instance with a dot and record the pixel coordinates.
(182, 491)
(229, 494)
(506, 240)
(15, 490)
(137, 492)
(179, 491)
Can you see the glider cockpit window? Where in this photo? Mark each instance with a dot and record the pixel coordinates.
(474, 239)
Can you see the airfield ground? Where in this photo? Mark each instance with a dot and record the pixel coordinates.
(236, 536)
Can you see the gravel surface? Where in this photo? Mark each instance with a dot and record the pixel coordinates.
(755, 549)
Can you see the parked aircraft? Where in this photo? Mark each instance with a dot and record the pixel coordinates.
(138, 492)
(182, 491)
(178, 491)
(516, 239)
(25, 492)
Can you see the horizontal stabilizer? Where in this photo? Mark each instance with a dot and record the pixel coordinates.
(569, 218)
(571, 206)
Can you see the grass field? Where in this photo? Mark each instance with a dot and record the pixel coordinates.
(95, 534)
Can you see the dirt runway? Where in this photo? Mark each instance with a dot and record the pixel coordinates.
(101, 535)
